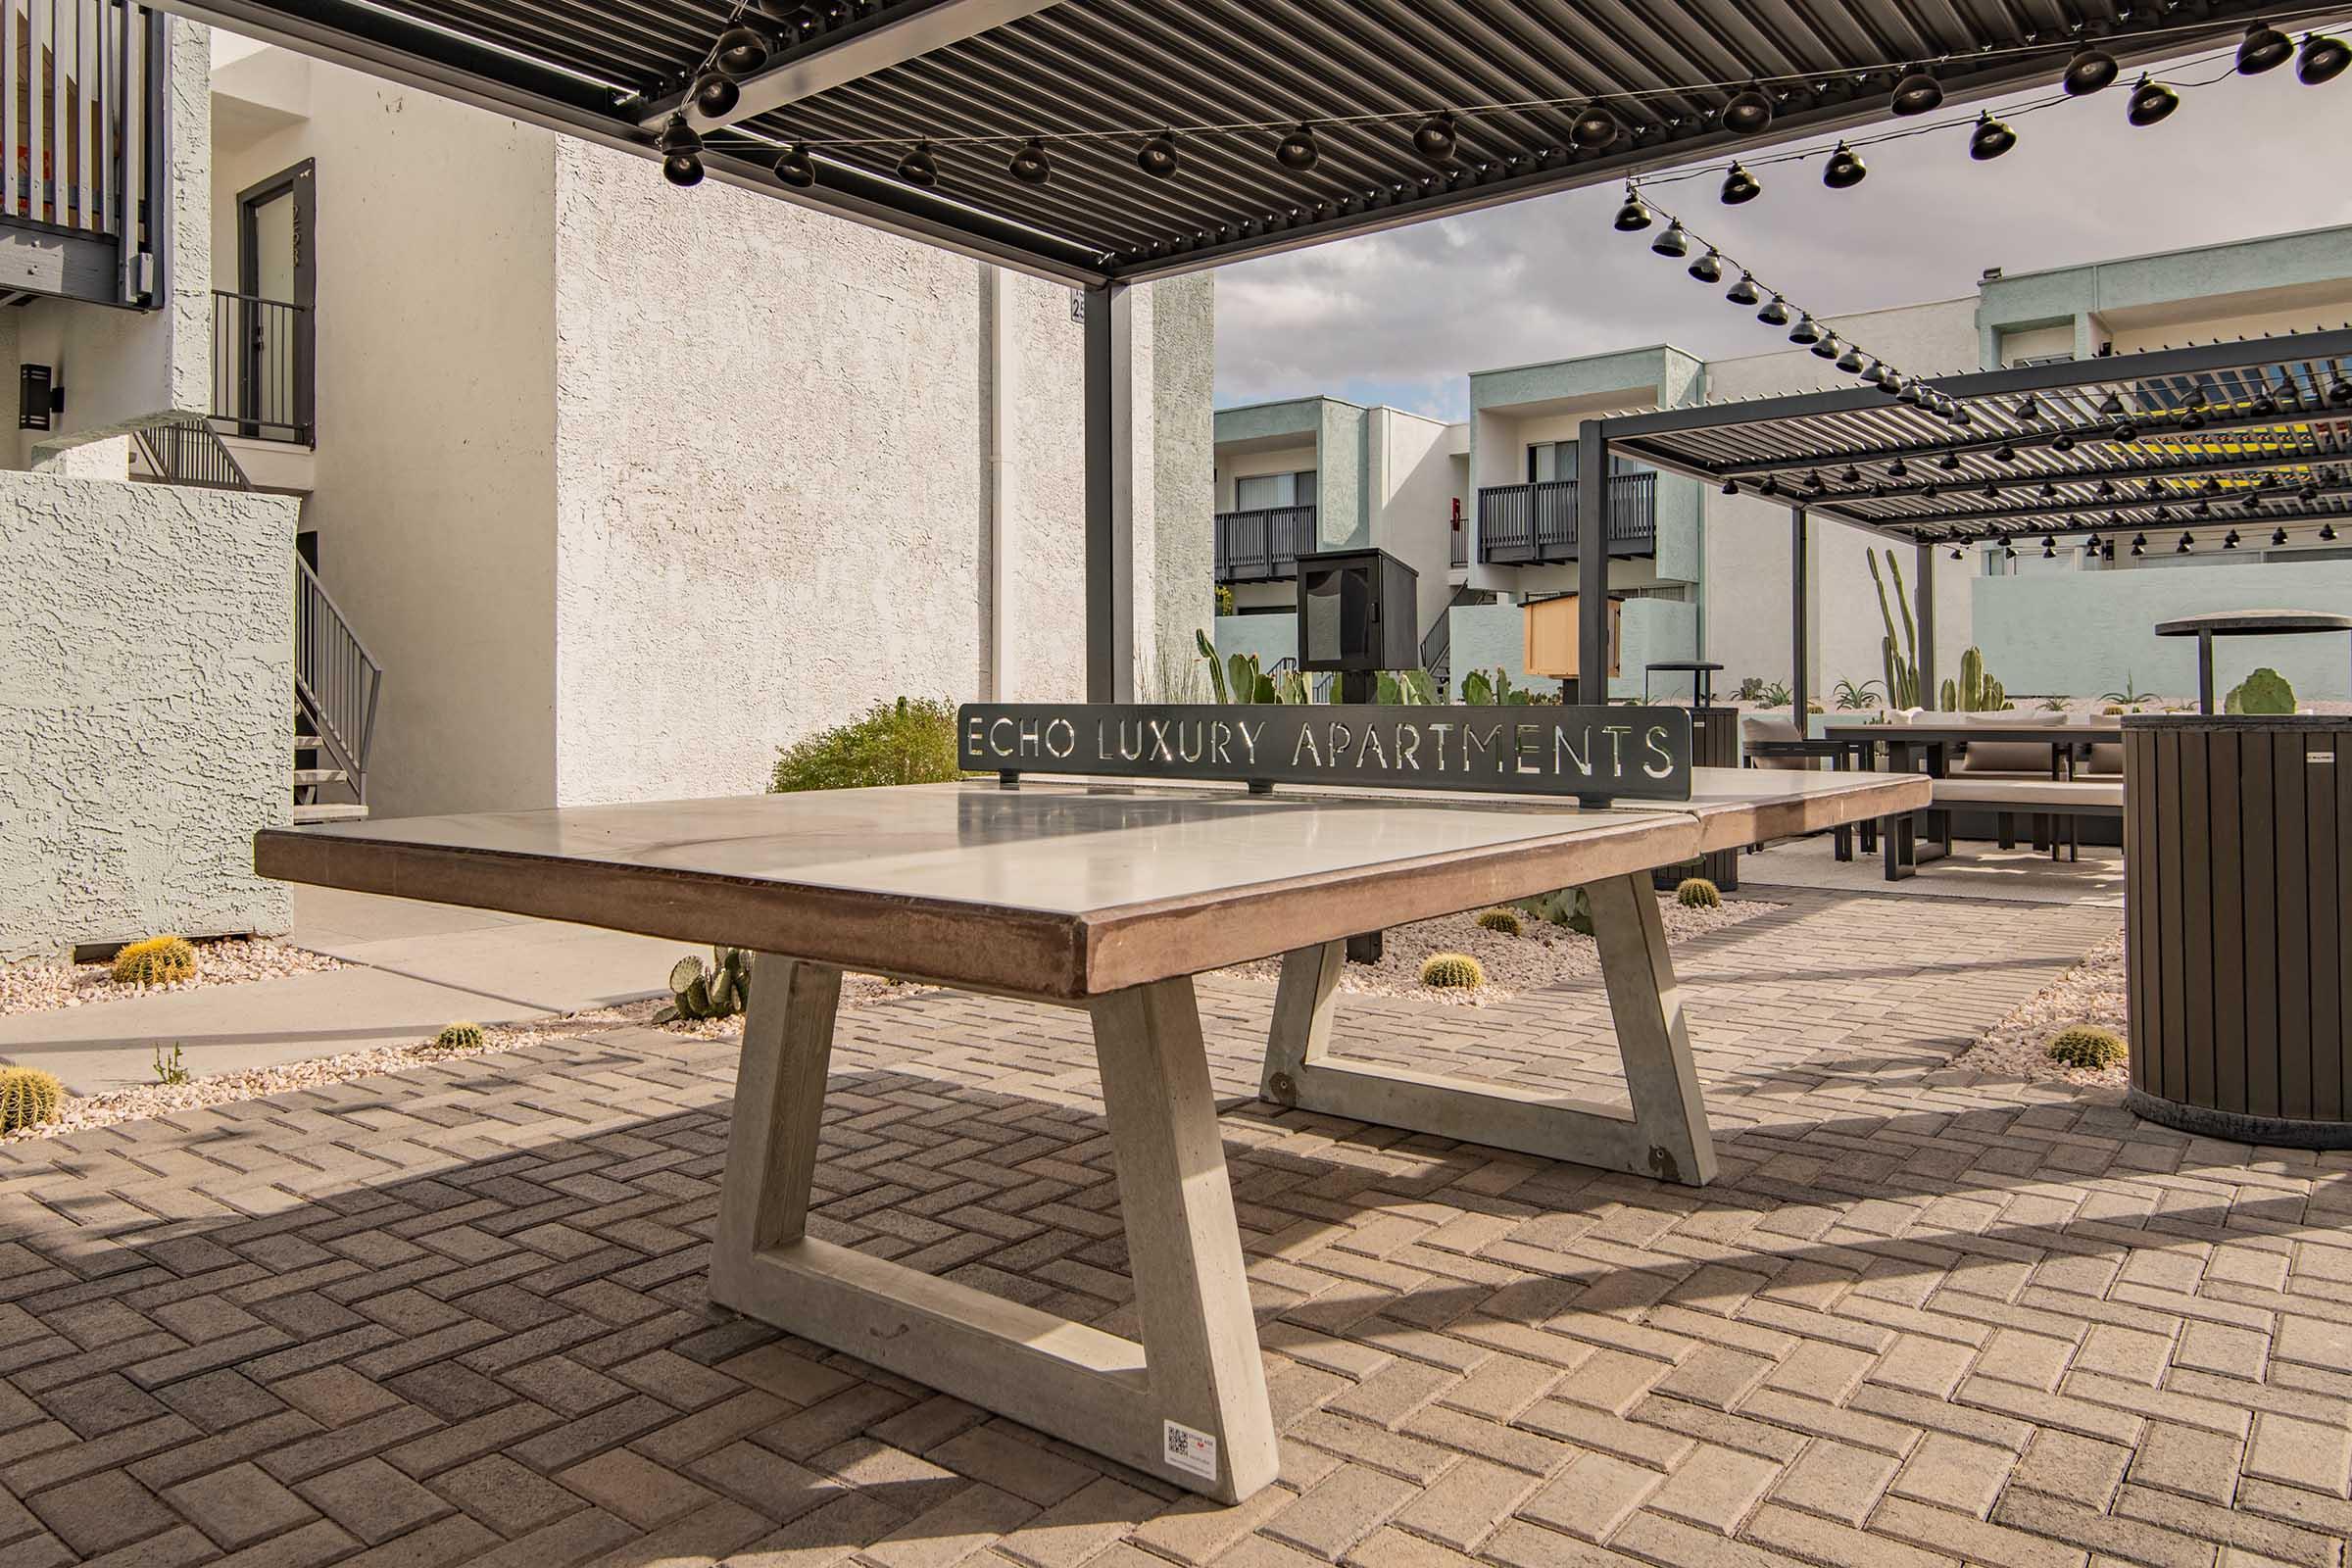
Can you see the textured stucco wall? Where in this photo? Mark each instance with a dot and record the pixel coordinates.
(2087, 632)
(146, 666)
(771, 451)
(1184, 484)
(117, 364)
(435, 472)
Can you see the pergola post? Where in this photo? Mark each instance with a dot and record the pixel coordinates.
(1800, 593)
(1924, 556)
(1592, 562)
(1110, 496)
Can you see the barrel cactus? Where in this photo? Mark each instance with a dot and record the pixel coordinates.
(2087, 1046)
(1452, 971)
(29, 1096)
(464, 1035)
(719, 990)
(1698, 893)
(1505, 922)
(156, 961)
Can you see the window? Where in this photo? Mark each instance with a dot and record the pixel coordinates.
(1261, 491)
(1557, 459)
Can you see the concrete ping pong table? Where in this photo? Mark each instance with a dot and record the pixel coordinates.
(1109, 897)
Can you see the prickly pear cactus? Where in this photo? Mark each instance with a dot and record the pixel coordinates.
(2266, 691)
(720, 990)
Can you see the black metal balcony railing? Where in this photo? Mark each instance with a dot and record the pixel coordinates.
(1264, 545)
(1527, 524)
(263, 368)
(1461, 544)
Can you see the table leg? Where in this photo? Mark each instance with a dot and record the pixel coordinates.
(1188, 1404)
(1665, 1134)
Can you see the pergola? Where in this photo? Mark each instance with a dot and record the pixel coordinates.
(2246, 435)
(859, 83)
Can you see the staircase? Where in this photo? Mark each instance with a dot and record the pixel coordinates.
(1436, 648)
(336, 681)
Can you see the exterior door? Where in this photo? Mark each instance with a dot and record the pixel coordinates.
(271, 316)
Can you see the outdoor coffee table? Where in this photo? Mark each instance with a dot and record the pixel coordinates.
(1107, 897)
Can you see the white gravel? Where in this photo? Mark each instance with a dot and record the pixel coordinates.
(1543, 955)
(2092, 991)
(41, 984)
(79, 1113)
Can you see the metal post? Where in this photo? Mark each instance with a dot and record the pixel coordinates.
(1799, 593)
(1926, 614)
(2204, 672)
(1110, 496)
(1592, 562)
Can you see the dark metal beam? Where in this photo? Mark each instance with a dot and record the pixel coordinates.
(1592, 561)
(2138, 474)
(889, 37)
(1801, 596)
(1923, 559)
(1110, 496)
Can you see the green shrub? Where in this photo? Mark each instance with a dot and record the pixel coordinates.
(720, 990)
(2266, 691)
(1698, 893)
(1505, 922)
(156, 961)
(911, 741)
(464, 1035)
(2088, 1046)
(29, 1096)
(1453, 970)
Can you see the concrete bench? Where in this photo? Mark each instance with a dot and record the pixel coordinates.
(2072, 799)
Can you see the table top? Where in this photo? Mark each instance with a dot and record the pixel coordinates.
(1057, 890)
(1942, 734)
(2254, 623)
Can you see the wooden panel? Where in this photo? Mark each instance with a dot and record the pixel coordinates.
(2323, 931)
(2196, 962)
(2224, 758)
(2341, 939)
(2140, 899)
(2293, 961)
(2258, 832)
(2171, 1015)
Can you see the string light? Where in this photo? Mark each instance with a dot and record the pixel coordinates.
(1843, 171)
(2151, 102)
(1990, 138)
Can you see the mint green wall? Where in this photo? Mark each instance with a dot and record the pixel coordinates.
(1272, 638)
(1339, 431)
(2087, 632)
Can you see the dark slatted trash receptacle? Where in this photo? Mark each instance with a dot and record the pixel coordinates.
(2237, 842)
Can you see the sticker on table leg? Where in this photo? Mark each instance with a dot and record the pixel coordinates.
(1194, 1452)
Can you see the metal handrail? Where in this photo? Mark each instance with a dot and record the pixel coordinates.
(1538, 520)
(183, 449)
(336, 681)
(1263, 544)
(264, 380)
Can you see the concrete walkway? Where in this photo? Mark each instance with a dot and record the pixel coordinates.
(411, 967)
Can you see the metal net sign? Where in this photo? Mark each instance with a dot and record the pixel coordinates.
(1538, 749)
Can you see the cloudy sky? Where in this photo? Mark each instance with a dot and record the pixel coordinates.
(1402, 317)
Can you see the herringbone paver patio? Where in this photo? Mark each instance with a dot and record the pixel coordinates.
(458, 1317)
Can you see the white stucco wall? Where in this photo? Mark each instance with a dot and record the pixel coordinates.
(1748, 553)
(146, 672)
(435, 472)
(1412, 501)
(772, 458)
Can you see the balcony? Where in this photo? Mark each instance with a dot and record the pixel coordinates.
(1264, 545)
(1534, 524)
(265, 385)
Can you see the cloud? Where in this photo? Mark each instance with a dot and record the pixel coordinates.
(1404, 316)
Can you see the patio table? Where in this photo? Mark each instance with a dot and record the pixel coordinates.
(1927, 749)
(1107, 897)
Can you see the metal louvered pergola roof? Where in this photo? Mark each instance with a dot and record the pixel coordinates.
(886, 72)
(2247, 434)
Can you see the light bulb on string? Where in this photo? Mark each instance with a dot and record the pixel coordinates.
(1844, 171)
(1158, 157)
(2323, 59)
(1991, 138)
(1743, 292)
(1738, 185)
(1297, 151)
(1672, 240)
(1708, 269)
(2090, 70)
(1748, 112)
(2151, 101)
(1634, 214)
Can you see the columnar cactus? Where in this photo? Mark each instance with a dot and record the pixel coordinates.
(156, 961)
(1453, 970)
(29, 1096)
(720, 991)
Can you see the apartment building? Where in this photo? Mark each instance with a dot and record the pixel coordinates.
(1696, 569)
